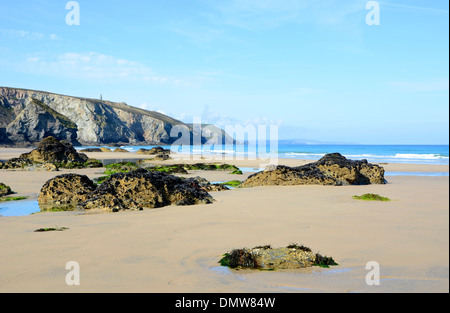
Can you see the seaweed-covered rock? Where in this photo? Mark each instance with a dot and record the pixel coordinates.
(65, 192)
(204, 183)
(168, 169)
(15, 163)
(121, 167)
(120, 150)
(98, 150)
(52, 150)
(154, 151)
(333, 169)
(143, 189)
(211, 167)
(4, 190)
(268, 258)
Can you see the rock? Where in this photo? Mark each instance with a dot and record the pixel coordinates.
(16, 163)
(168, 169)
(161, 157)
(143, 189)
(205, 184)
(103, 149)
(154, 151)
(98, 150)
(64, 192)
(52, 150)
(37, 121)
(122, 167)
(333, 169)
(184, 168)
(120, 150)
(5, 190)
(50, 167)
(45, 167)
(283, 258)
(268, 258)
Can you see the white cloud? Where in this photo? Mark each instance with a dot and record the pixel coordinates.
(26, 35)
(424, 86)
(94, 66)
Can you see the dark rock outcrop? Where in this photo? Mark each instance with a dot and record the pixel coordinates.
(268, 258)
(154, 151)
(52, 150)
(98, 150)
(49, 155)
(206, 184)
(15, 163)
(135, 190)
(120, 150)
(333, 169)
(64, 192)
(5, 190)
(143, 189)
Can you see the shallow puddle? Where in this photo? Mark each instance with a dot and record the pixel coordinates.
(19, 208)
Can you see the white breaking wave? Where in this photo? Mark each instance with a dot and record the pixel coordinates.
(419, 156)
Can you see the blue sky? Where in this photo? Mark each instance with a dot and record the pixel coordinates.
(313, 67)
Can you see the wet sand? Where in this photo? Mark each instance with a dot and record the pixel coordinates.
(176, 249)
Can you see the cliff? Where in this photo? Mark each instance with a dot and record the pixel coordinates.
(28, 116)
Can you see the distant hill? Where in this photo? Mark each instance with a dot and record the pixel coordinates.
(28, 116)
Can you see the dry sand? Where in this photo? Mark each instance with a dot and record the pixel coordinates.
(176, 249)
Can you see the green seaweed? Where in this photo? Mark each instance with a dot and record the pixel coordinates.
(298, 247)
(324, 261)
(50, 229)
(371, 197)
(239, 258)
(266, 247)
(91, 163)
(233, 183)
(168, 169)
(7, 199)
(122, 167)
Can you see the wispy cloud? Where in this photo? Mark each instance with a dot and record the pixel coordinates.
(94, 66)
(26, 35)
(410, 8)
(424, 86)
(267, 14)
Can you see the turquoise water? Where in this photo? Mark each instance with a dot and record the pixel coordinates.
(418, 154)
(429, 174)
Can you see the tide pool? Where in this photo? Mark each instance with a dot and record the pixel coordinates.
(19, 208)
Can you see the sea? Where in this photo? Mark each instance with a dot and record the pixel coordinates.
(416, 154)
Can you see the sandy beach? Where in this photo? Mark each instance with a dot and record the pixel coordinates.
(177, 249)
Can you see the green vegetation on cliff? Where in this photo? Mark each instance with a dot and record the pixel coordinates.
(65, 121)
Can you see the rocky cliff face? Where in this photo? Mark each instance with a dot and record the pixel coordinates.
(28, 116)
